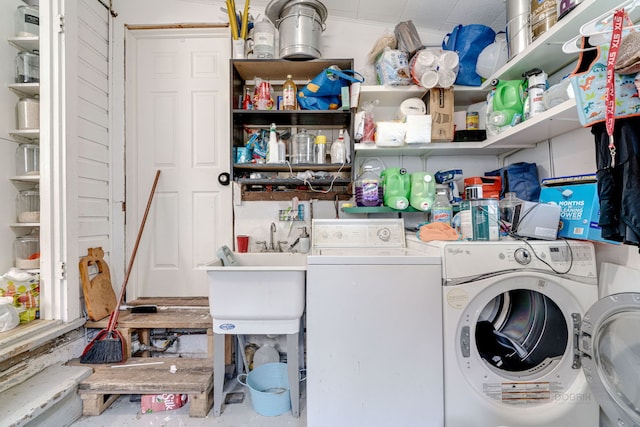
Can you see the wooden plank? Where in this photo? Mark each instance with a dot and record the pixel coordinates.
(171, 302)
(192, 376)
(94, 403)
(197, 318)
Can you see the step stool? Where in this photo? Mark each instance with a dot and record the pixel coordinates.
(149, 375)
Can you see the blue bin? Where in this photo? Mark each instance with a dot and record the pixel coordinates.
(269, 388)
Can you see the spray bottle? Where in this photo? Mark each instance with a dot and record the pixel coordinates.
(272, 148)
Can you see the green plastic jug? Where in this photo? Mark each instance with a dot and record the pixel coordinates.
(423, 191)
(396, 184)
(508, 102)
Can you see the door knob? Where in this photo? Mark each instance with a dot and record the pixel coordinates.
(224, 178)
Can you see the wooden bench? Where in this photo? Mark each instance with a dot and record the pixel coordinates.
(145, 375)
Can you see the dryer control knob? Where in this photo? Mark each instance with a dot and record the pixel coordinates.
(522, 256)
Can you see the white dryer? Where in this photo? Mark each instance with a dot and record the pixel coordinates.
(512, 312)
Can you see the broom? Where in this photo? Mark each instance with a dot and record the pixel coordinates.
(108, 344)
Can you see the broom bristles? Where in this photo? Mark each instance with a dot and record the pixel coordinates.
(103, 349)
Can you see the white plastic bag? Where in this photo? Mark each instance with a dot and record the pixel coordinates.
(9, 317)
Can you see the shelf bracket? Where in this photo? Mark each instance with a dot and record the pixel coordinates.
(61, 270)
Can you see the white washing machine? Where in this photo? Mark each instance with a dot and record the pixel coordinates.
(512, 313)
(374, 328)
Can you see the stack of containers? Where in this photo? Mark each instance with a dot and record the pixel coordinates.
(27, 72)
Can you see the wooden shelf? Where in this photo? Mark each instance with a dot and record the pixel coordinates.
(294, 182)
(277, 69)
(299, 167)
(263, 118)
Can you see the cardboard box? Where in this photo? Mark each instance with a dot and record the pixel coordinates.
(579, 210)
(440, 107)
(162, 402)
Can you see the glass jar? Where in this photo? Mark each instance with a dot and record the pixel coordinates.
(27, 159)
(28, 206)
(28, 113)
(27, 21)
(26, 251)
(27, 67)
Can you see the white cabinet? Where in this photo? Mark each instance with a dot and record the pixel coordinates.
(545, 53)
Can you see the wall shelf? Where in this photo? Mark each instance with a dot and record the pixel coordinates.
(30, 134)
(377, 209)
(30, 43)
(26, 178)
(25, 89)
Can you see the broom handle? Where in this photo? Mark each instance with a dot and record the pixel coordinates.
(113, 319)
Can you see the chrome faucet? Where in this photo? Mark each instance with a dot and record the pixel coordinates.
(271, 247)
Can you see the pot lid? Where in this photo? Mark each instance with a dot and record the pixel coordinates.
(275, 8)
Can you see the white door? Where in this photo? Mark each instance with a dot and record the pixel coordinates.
(611, 342)
(177, 121)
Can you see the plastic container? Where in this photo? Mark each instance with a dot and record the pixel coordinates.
(303, 147)
(27, 21)
(26, 251)
(28, 206)
(423, 191)
(272, 149)
(28, 113)
(339, 150)
(508, 102)
(27, 67)
(544, 15)
(289, 90)
(396, 187)
(269, 389)
(485, 219)
(507, 207)
(492, 57)
(264, 36)
(368, 188)
(321, 149)
(27, 159)
(442, 211)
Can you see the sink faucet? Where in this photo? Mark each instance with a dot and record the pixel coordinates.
(271, 247)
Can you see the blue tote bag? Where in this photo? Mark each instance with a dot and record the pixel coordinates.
(468, 41)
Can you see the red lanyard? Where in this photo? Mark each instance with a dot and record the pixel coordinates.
(610, 99)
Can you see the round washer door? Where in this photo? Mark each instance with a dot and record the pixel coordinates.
(611, 343)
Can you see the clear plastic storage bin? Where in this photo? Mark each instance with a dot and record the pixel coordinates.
(27, 21)
(26, 251)
(27, 159)
(28, 206)
(27, 67)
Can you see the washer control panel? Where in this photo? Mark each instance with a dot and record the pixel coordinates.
(358, 233)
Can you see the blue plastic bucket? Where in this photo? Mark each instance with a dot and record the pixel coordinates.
(269, 388)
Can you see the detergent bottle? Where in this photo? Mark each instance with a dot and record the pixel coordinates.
(508, 102)
(423, 191)
(396, 186)
(368, 188)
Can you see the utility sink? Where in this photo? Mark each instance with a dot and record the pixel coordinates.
(263, 294)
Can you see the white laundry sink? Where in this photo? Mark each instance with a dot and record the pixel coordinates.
(264, 294)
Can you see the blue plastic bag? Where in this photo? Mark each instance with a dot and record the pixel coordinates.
(325, 90)
(468, 41)
(520, 178)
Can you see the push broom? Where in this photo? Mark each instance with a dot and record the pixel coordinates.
(108, 344)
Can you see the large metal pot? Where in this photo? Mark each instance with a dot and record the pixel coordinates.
(300, 24)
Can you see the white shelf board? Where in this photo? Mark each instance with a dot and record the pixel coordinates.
(30, 134)
(30, 43)
(556, 121)
(390, 95)
(25, 225)
(25, 178)
(25, 89)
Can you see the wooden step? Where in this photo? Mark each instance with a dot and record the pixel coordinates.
(145, 375)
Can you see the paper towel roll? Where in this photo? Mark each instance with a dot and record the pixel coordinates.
(412, 107)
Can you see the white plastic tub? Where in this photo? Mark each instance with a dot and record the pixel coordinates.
(265, 294)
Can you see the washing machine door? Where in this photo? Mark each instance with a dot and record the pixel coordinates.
(610, 343)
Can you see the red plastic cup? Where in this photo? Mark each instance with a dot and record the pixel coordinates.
(242, 243)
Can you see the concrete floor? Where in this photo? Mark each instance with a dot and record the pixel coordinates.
(125, 413)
